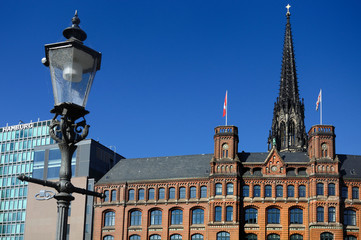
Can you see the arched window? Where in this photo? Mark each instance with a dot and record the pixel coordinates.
(350, 237)
(331, 189)
(198, 216)
(349, 217)
(134, 237)
(256, 191)
(324, 150)
(251, 236)
(229, 213)
(177, 217)
(302, 191)
(172, 193)
(319, 189)
(355, 194)
(331, 214)
(296, 237)
(296, 216)
(292, 135)
(156, 217)
(320, 214)
(109, 219)
(279, 191)
(161, 193)
(176, 237)
(218, 214)
(131, 194)
(114, 196)
(229, 188)
(326, 236)
(135, 218)
(141, 194)
(273, 236)
(251, 215)
(245, 191)
(151, 194)
(290, 191)
(182, 192)
(268, 191)
(154, 237)
(106, 193)
(223, 236)
(193, 192)
(203, 192)
(108, 237)
(283, 134)
(273, 216)
(197, 236)
(218, 188)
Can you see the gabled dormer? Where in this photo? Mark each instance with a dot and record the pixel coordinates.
(274, 164)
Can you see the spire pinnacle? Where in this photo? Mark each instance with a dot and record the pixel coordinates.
(288, 10)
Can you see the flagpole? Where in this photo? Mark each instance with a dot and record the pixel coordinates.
(227, 108)
(321, 108)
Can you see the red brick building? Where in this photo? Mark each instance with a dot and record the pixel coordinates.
(299, 189)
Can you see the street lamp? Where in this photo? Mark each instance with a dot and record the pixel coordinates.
(72, 69)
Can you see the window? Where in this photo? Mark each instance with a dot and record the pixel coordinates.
(355, 193)
(114, 195)
(229, 188)
(251, 236)
(349, 217)
(176, 237)
(344, 192)
(245, 191)
(203, 192)
(302, 191)
(198, 216)
(331, 214)
(172, 193)
(273, 237)
(256, 191)
(193, 192)
(135, 218)
(182, 192)
(319, 189)
(320, 213)
(290, 191)
(296, 216)
(141, 194)
(331, 189)
(106, 193)
(350, 237)
(218, 188)
(197, 236)
(273, 216)
(229, 213)
(154, 237)
(326, 236)
(223, 236)
(108, 237)
(296, 237)
(177, 217)
(156, 217)
(279, 191)
(109, 219)
(161, 193)
(251, 215)
(131, 194)
(218, 214)
(268, 191)
(151, 194)
(134, 237)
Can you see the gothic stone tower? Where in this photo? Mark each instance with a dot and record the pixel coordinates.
(288, 128)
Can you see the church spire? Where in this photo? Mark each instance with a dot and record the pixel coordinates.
(288, 128)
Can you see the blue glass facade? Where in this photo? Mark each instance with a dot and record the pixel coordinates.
(16, 156)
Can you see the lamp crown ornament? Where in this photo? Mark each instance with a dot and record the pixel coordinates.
(75, 32)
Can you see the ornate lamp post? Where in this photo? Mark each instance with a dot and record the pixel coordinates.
(72, 69)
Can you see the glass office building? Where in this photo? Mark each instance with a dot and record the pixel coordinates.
(17, 144)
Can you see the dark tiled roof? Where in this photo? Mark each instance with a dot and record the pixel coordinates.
(159, 168)
(288, 157)
(350, 166)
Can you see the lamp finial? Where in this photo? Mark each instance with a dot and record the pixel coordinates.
(75, 32)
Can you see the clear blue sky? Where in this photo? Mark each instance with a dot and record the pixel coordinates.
(167, 64)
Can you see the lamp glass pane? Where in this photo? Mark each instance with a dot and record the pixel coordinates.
(72, 72)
